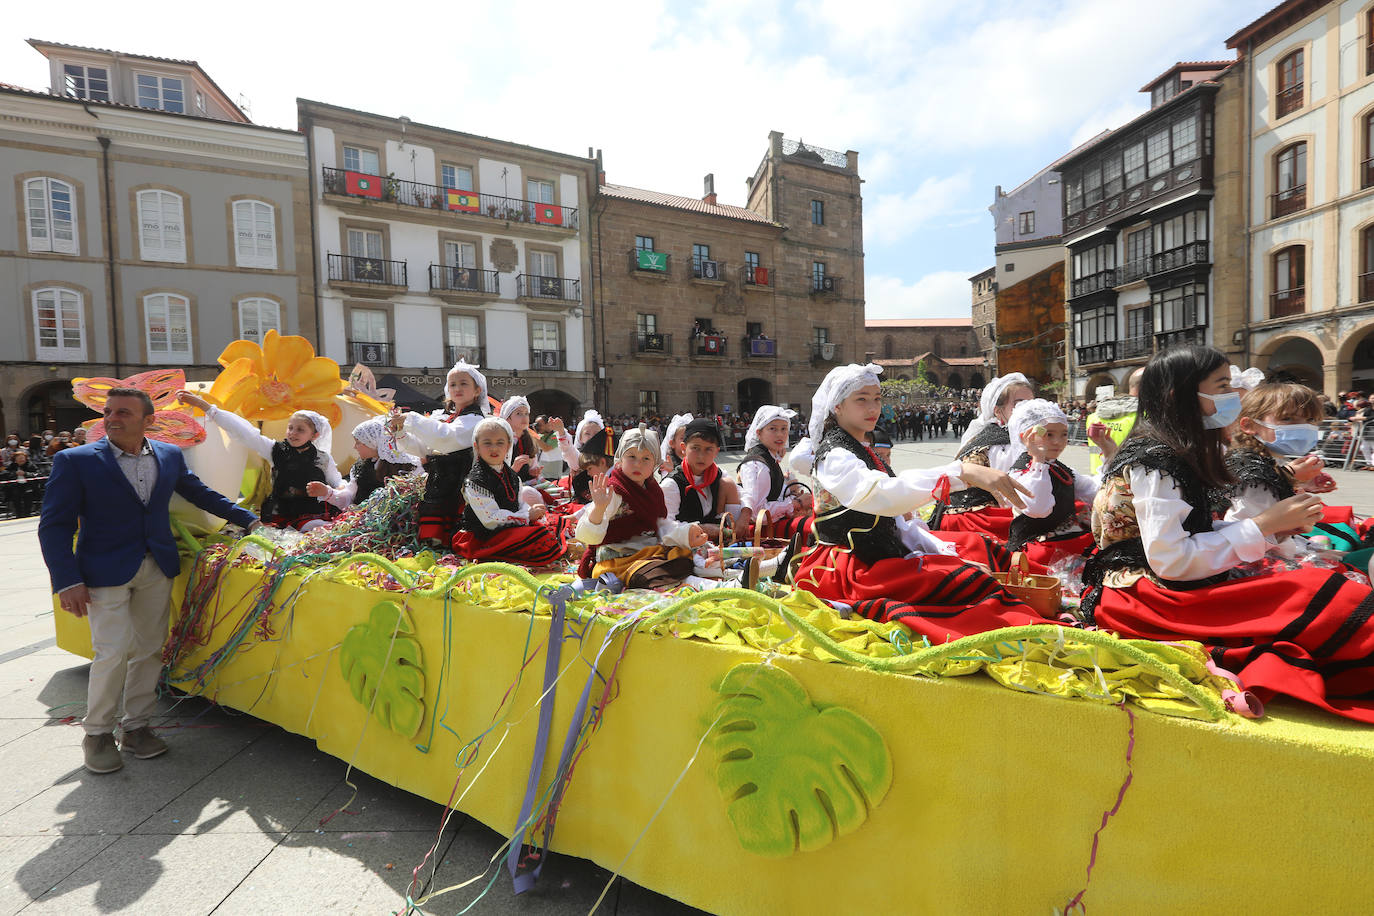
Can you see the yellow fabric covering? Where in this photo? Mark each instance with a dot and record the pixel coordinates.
(994, 794)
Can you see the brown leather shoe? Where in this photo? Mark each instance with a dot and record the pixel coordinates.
(142, 743)
(101, 754)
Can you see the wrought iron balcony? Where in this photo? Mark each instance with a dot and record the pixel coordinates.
(548, 359)
(709, 345)
(1367, 173)
(370, 353)
(533, 286)
(650, 262)
(1092, 283)
(1134, 270)
(826, 284)
(436, 197)
(708, 269)
(825, 351)
(760, 347)
(756, 275)
(1133, 347)
(1289, 200)
(446, 278)
(1185, 337)
(1288, 100)
(1367, 287)
(476, 356)
(654, 343)
(1097, 353)
(1182, 256)
(1286, 302)
(347, 268)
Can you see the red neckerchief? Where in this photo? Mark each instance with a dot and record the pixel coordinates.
(707, 479)
(882, 465)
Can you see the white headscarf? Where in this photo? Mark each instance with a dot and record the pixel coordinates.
(512, 404)
(638, 437)
(762, 417)
(1029, 414)
(325, 438)
(676, 423)
(1248, 380)
(486, 425)
(589, 419)
(991, 395)
(373, 432)
(479, 379)
(838, 385)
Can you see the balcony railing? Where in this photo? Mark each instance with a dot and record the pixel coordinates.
(1289, 100)
(1097, 353)
(533, 286)
(653, 342)
(707, 269)
(1182, 256)
(825, 284)
(760, 347)
(464, 279)
(1367, 173)
(1187, 337)
(1133, 347)
(476, 356)
(756, 275)
(1289, 200)
(1092, 283)
(650, 262)
(709, 345)
(1134, 270)
(370, 353)
(825, 351)
(347, 268)
(1367, 287)
(1286, 302)
(548, 359)
(436, 197)
(1369, 56)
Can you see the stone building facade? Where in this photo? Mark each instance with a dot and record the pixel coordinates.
(984, 312)
(712, 308)
(948, 346)
(152, 223)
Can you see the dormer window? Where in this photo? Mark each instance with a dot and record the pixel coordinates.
(89, 83)
(163, 93)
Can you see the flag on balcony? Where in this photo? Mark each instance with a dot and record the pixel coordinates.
(551, 287)
(653, 342)
(548, 213)
(760, 276)
(652, 260)
(713, 345)
(360, 185)
(467, 201)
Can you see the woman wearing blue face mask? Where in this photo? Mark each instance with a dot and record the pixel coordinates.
(1165, 563)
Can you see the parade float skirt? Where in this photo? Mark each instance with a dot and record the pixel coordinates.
(755, 755)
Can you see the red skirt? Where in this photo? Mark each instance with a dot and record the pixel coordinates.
(275, 520)
(524, 545)
(1047, 553)
(939, 597)
(979, 548)
(1306, 634)
(440, 519)
(787, 526)
(993, 520)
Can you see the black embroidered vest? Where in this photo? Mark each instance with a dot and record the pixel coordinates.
(1025, 529)
(292, 469)
(504, 487)
(763, 456)
(870, 537)
(689, 505)
(446, 473)
(581, 486)
(986, 438)
(1258, 469)
(371, 474)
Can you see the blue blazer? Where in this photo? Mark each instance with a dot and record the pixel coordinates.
(117, 531)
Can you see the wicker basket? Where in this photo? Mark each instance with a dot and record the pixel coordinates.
(1044, 593)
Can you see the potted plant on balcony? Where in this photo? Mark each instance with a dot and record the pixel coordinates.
(491, 210)
(392, 187)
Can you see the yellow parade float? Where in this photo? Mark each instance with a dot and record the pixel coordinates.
(749, 752)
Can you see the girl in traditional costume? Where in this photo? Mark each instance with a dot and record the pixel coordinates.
(1050, 527)
(764, 485)
(498, 525)
(443, 441)
(378, 461)
(298, 459)
(673, 443)
(1164, 567)
(986, 442)
(525, 451)
(873, 553)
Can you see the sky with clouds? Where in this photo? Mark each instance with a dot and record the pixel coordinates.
(943, 100)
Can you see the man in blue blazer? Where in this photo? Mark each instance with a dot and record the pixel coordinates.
(120, 574)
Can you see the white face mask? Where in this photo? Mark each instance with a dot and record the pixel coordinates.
(13, 443)
(47, 437)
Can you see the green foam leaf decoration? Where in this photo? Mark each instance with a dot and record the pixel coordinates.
(794, 777)
(375, 666)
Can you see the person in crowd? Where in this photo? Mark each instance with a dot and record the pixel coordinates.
(62, 440)
(1110, 421)
(38, 454)
(593, 457)
(987, 442)
(21, 484)
(698, 492)
(873, 555)
(119, 574)
(299, 458)
(1050, 527)
(1166, 570)
(673, 443)
(79, 436)
(13, 444)
(378, 461)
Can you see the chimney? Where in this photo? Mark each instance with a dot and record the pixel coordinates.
(710, 183)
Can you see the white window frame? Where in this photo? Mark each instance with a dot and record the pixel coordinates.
(162, 87)
(155, 243)
(456, 326)
(535, 188)
(167, 303)
(43, 222)
(60, 299)
(453, 177)
(538, 330)
(371, 318)
(540, 260)
(86, 93)
(252, 246)
(257, 316)
(358, 166)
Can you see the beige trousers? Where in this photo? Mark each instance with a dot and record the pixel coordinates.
(128, 628)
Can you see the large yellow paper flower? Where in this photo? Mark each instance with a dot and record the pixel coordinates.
(275, 380)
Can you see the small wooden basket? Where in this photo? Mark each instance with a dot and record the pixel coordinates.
(1044, 593)
(772, 546)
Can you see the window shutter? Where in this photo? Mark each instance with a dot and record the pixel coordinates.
(36, 199)
(255, 233)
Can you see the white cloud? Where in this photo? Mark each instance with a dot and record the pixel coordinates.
(1110, 119)
(892, 217)
(942, 294)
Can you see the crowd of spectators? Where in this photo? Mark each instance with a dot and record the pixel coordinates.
(24, 465)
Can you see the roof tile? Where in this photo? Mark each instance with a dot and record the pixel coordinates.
(621, 192)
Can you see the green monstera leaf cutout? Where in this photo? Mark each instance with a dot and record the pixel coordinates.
(374, 666)
(794, 777)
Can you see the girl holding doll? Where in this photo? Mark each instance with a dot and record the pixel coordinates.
(986, 442)
(1049, 527)
(763, 483)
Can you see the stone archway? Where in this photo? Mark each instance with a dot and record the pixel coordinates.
(976, 380)
(932, 378)
(1095, 381)
(955, 381)
(1297, 359)
(555, 403)
(50, 404)
(753, 393)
